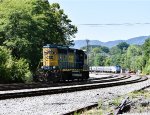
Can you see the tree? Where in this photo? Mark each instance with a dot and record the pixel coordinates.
(115, 56)
(123, 45)
(146, 56)
(105, 49)
(116, 59)
(146, 68)
(27, 25)
(134, 58)
(146, 50)
(96, 50)
(115, 50)
(99, 60)
(107, 61)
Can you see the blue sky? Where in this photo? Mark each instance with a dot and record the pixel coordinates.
(108, 20)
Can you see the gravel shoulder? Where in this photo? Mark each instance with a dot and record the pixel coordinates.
(139, 104)
(58, 104)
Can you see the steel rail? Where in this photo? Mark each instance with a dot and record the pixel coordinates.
(50, 91)
(5, 87)
(80, 110)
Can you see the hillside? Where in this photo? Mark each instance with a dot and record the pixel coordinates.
(137, 40)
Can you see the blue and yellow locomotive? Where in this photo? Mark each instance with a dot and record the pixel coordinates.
(61, 63)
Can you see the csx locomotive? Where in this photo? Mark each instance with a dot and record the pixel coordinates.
(61, 63)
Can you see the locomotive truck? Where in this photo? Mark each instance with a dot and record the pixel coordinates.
(61, 63)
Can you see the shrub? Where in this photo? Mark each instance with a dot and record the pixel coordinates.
(146, 69)
(20, 71)
(11, 69)
(5, 64)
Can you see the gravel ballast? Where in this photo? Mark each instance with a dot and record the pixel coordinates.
(62, 103)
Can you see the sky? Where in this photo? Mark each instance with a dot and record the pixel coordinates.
(108, 20)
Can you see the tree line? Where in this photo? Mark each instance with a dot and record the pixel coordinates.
(25, 26)
(129, 57)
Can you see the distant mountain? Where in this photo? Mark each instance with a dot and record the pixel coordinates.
(81, 43)
(137, 40)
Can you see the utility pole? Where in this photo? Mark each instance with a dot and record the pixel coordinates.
(87, 50)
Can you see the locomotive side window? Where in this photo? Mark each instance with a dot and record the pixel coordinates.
(51, 57)
(52, 52)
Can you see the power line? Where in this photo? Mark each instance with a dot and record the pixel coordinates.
(114, 24)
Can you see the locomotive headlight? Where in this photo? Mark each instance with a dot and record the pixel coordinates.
(54, 67)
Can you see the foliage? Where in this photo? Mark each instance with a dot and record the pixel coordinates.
(134, 58)
(99, 60)
(107, 61)
(105, 49)
(27, 25)
(123, 45)
(20, 71)
(115, 55)
(146, 56)
(130, 57)
(116, 59)
(97, 50)
(115, 50)
(146, 68)
(13, 70)
(5, 64)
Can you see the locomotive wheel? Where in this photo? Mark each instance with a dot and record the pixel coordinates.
(42, 78)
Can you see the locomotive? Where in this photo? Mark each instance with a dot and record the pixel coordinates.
(61, 63)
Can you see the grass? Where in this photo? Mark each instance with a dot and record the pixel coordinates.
(142, 93)
(103, 108)
(107, 107)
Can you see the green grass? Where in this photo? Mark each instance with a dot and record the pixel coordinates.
(141, 93)
(108, 106)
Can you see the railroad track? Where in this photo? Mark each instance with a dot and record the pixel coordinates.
(5, 87)
(18, 86)
(72, 88)
(96, 104)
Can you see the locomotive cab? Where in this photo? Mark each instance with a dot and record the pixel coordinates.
(50, 58)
